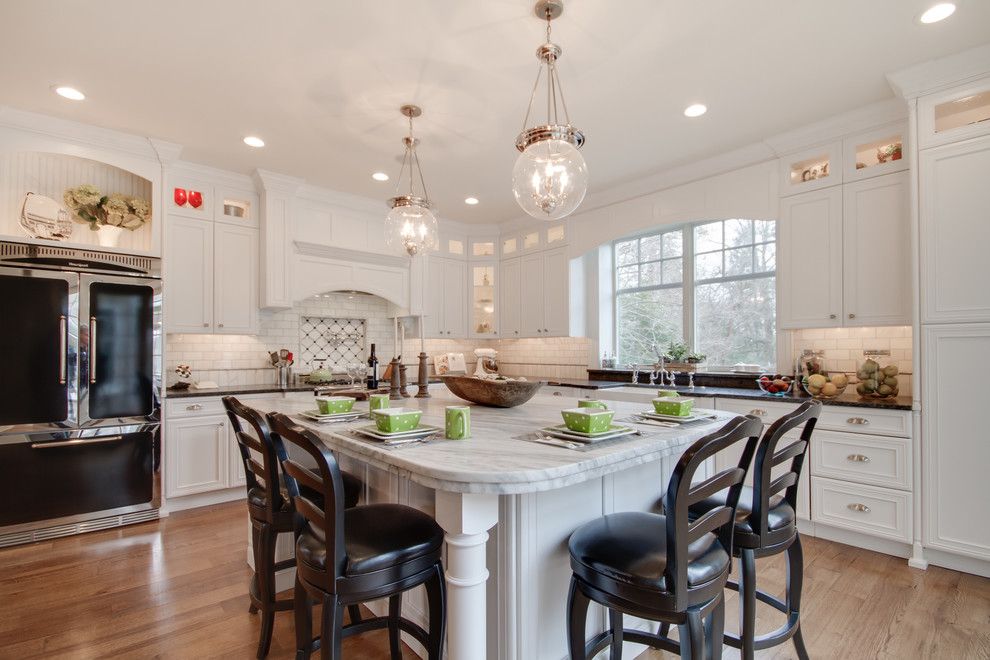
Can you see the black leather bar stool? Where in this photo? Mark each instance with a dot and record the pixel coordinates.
(270, 510)
(665, 568)
(766, 525)
(364, 553)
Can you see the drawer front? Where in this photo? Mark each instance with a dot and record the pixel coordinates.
(862, 459)
(866, 509)
(194, 405)
(767, 411)
(866, 420)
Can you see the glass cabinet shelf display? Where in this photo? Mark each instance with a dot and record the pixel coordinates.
(236, 209)
(483, 249)
(965, 111)
(555, 234)
(483, 300)
(509, 246)
(810, 169)
(878, 152)
(455, 246)
(531, 241)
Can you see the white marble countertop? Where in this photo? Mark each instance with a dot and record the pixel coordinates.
(494, 460)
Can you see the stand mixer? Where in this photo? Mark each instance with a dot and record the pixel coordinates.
(487, 363)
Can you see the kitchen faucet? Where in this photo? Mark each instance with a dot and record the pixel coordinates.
(635, 370)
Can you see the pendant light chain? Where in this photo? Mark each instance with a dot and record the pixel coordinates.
(411, 158)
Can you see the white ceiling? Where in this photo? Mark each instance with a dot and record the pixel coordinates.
(321, 81)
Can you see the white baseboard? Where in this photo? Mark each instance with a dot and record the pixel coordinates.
(958, 562)
(204, 499)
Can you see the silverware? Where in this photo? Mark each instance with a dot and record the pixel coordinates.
(556, 442)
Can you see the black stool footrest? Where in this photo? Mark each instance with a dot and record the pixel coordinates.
(763, 597)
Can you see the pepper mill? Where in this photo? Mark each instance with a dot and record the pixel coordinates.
(393, 391)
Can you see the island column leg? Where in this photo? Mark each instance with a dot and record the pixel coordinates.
(466, 519)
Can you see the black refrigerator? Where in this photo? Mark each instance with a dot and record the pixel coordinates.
(81, 346)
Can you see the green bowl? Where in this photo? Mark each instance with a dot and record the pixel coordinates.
(673, 405)
(395, 420)
(331, 405)
(666, 393)
(587, 420)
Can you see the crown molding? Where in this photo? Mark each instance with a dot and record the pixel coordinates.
(839, 126)
(214, 175)
(85, 135)
(943, 73)
(273, 182)
(343, 254)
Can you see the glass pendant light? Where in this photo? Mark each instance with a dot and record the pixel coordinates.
(411, 224)
(550, 177)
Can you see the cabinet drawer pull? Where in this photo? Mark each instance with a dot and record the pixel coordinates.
(852, 316)
(206, 325)
(831, 316)
(220, 325)
(759, 412)
(857, 458)
(557, 394)
(195, 406)
(858, 421)
(859, 508)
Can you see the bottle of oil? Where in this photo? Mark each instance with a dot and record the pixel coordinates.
(372, 370)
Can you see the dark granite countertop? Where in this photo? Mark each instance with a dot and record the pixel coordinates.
(846, 399)
(237, 389)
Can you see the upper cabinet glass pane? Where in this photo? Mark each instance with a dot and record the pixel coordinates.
(532, 240)
(555, 234)
(964, 111)
(237, 209)
(455, 247)
(483, 249)
(509, 246)
(878, 152)
(810, 169)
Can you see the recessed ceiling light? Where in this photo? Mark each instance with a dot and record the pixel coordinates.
(695, 110)
(254, 141)
(471, 201)
(937, 13)
(379, 176)
(70, 93)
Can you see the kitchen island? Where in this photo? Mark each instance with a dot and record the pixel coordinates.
(529, 497)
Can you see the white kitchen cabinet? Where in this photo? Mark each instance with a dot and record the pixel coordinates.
(809, 259)
(954, 198)
(876, 244)
(510, 305)
(543, 294)
(235, 279)
(956, 451)
(196, 454)
(446, 298)
(954, 114)
(211, 277)
(484, 306)
(189, 275)
(532, 294)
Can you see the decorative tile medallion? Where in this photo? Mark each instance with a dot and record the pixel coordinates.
(332, 341)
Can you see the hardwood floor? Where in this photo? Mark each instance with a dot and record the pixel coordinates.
(178, 589)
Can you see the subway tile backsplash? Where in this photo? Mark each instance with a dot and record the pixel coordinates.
(244, 359)
(844, 348)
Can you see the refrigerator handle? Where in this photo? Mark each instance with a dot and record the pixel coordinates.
(62, 349)
(92, 349)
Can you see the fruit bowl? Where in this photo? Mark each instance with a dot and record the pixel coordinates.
(775, 384)
(824, 386)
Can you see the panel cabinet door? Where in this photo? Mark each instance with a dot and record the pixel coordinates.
(235, 280)
(809, 259)
(189, 275)
(955, 233)
(876, 235)
(196, 455)
(433, 297)
(510, 290)
(956, 449)
(556, 293)
(455, 299)
(532, 295)
(235, 476)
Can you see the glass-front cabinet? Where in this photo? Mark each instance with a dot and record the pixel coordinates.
(875, 153)
(484, 321)
(952, 115)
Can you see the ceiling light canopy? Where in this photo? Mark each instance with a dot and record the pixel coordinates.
(70, 93)
(550, 177)
(254, 141)
(379, 176)
(411, 226)
(471, 201)
(695, 110)
(937, 13)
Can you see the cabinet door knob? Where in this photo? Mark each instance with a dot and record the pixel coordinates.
(557, 394)
(857, 458)
(195, 406)
(206, 325)
(220, 325)
(859, 508)
(516, 331)
(858, 421)
(852, 316)
(831, 316)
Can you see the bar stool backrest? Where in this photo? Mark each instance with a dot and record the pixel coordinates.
(682, 493)
(263, 475)
(326, 521)
(765, 485)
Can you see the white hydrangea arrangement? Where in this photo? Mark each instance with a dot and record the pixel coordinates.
(90, 206)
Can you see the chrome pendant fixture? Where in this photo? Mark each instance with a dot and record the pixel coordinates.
(411, 224)
(550, 177)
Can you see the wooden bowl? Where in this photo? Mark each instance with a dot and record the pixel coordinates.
(494, 393)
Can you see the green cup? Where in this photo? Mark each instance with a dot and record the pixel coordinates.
(458, 422)
(378, 401)
(592, 403)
